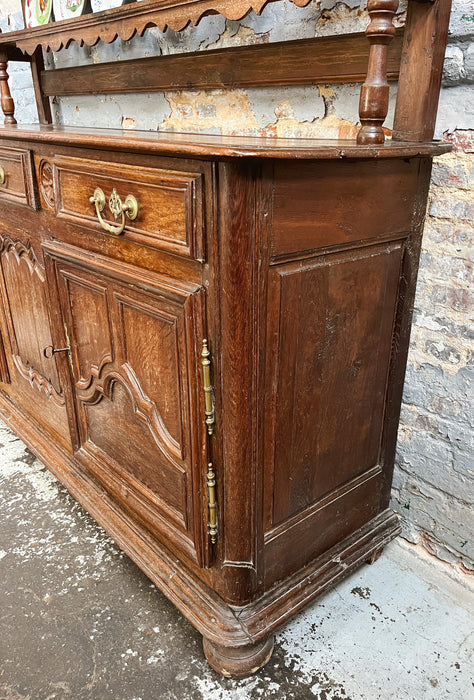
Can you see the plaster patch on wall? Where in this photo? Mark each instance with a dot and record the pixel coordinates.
(77, 111)
(456, 109)
(284, 113)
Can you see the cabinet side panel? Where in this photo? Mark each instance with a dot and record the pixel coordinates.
(338, 203)
(329, 345)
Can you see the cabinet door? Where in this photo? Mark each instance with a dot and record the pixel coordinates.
(34, 378)
(133, 336)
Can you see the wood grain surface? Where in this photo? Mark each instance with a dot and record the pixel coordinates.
(334, 59)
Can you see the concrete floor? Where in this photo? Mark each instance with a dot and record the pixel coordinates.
(78, 620)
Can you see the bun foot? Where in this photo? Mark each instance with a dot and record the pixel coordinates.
(238, 662)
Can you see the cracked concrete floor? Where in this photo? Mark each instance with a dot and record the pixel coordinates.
(78, 620)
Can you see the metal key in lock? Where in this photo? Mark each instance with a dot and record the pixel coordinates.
(49, 351)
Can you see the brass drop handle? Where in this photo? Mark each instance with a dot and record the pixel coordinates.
(2, 176)
(128, 208)
(49, 351)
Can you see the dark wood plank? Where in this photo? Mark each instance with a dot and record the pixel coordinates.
(237, 373)
(308, 199)
(335, 59)
(334, 315)
(421, 70)
(42, 101)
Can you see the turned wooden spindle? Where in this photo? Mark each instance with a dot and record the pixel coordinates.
(374, 94)
(6, 100)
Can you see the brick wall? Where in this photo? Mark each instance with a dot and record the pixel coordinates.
(434, 477)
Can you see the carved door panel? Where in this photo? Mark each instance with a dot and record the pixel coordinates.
(24, 294)
(133, 336)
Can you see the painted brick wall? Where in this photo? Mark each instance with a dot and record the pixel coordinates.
(434, 477)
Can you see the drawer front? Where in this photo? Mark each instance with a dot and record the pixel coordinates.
(170, 203)
(16, 177)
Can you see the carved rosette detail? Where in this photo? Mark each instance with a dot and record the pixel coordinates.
(46, 181)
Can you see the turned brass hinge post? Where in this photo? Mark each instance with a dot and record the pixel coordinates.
(69, 355)
(207, 386)
(211, 488)
(210, 420)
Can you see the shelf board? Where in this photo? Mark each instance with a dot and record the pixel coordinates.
(315, 61)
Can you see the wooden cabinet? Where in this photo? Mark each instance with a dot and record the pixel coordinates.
(205, 337)
(219, 382)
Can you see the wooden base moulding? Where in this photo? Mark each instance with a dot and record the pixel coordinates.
(238, 641)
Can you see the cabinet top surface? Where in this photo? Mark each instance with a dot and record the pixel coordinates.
(216, 147)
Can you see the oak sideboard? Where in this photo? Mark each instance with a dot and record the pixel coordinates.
(205, 337)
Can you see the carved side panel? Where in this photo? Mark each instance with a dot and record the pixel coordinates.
(135, 370)
(26, 310)
(330, 327)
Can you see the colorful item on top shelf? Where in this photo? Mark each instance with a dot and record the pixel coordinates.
(100, 5)
(28, 13)
(68, 9)
(43, 11)
(37, 12)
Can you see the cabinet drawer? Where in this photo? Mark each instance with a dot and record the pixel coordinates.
(170, 202)
(16, 177)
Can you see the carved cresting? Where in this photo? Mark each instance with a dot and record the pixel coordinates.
(374, 94)
(8, 106)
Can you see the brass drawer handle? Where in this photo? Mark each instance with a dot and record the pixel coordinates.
(128, 208)
(2, 176)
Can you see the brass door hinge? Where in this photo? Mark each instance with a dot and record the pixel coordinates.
(208, 391)
(69, 355)
(210, 421)
(211, 488)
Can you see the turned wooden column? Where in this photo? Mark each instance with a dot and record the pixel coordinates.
(8, 106)
(374, 94)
